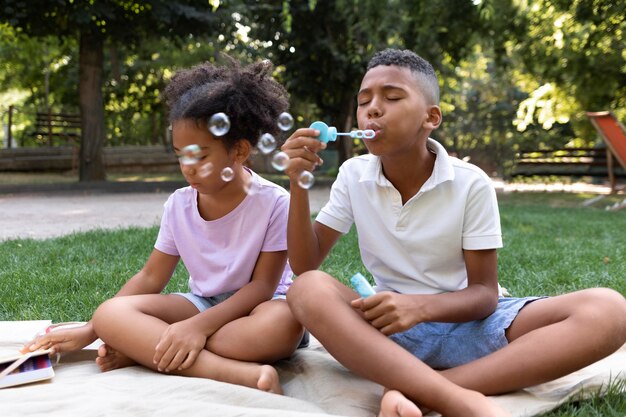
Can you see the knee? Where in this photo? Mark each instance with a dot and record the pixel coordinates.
(106, 312)
(609, 310)
(305, 289)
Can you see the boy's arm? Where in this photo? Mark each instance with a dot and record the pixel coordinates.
(392, 312)
(308, 244)
(152, 278)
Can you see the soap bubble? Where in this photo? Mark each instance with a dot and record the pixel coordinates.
(248, 187)
(219, 124)
(280, 161)
(285, 121)
(306, 180)
(227, 174)
(190, 154)
(267, 143)
(206, 170)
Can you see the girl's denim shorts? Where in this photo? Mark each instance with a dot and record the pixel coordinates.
(447, 345)
(204, 303)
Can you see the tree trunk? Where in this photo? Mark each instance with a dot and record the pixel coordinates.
(91, 166)
(344, 123)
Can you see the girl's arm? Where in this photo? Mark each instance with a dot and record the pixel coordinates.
(189, 336)
(265, 277)
(152, 279)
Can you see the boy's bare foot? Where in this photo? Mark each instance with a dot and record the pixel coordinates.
(394, 404)
(109, 359)
(268, 380)
(471, 403)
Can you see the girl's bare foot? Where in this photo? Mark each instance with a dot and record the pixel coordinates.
(268, 380)
(394, 404)
(109, 359)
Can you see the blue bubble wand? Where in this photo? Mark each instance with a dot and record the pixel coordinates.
(329, 133)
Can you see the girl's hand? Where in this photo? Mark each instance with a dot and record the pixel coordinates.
(178, 346)
(302, 148)
(62, 340)
(389, 312)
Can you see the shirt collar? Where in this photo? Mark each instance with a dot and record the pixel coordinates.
(442, 171)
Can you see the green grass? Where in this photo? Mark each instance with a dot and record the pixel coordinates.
(553, 245)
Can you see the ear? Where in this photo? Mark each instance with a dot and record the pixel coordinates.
(241, 150)
(434, 118)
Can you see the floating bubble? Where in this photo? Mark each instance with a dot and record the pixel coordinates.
(219, 124)
(205, 170)
(267, 143)
(190, 154)
(280, 161)
(248, 187)
(306, 180)
(227, 174)
(285, 121)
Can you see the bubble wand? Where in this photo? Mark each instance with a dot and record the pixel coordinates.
(329, 133)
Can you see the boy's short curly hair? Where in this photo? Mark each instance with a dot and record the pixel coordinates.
(421, 69)
(248, 95)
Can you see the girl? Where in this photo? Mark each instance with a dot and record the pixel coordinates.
(229, 228)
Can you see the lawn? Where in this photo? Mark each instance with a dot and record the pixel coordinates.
(552, 245)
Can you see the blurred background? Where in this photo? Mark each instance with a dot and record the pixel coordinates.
(81, 81)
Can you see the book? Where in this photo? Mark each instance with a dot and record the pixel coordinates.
(26, 368)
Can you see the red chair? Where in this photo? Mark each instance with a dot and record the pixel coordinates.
(614, 134)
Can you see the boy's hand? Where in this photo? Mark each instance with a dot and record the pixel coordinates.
(388, 311)
(178, 346)
(62, 340)
(302, 148)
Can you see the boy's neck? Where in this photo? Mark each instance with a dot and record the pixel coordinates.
(409, 171)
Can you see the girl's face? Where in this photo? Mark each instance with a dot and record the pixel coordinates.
(205, 169)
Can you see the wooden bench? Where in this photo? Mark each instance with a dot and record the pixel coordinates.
(49, 126)
(576, 162)
(65, 158)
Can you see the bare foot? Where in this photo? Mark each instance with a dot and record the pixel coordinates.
(469, 404)
(109, 359)
(394, 404)
(268, 380)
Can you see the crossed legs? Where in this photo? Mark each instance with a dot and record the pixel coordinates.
(550, 338)
(131, 327)
(321, 304)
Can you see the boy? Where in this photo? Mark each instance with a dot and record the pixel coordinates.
(428, 227)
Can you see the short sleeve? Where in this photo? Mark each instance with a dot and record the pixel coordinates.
(481, 225)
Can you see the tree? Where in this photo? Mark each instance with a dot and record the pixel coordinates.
(95, 24)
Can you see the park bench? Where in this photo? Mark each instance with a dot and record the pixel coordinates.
(50, 126)
(66, 158)
(575, 162)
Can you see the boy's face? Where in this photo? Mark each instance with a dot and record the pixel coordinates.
(390, 103)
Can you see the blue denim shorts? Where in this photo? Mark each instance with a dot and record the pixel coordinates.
(446, 345)
(204, 303)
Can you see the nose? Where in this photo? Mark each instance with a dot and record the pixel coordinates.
(189, 169)
(374, 109)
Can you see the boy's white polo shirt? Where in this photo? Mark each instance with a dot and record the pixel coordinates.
(416, 248)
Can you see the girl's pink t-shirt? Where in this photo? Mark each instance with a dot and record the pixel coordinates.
(220, 255)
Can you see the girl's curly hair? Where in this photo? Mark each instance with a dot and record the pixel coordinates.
(248, 95)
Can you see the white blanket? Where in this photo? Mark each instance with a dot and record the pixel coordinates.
(314, 384)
